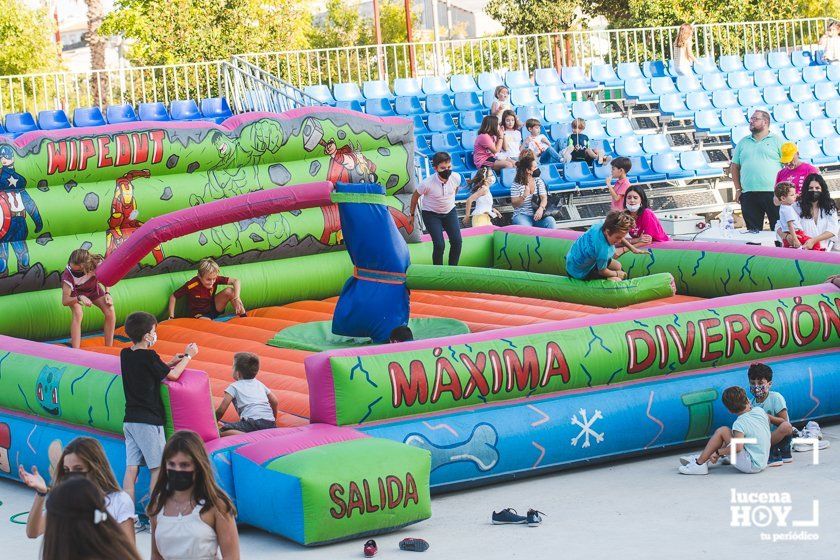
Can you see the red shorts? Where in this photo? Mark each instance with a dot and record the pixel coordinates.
(800, 235)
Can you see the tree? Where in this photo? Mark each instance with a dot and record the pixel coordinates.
(27, 36)
(177, 31)
(96, 43)
(526, 17)
(341, 27)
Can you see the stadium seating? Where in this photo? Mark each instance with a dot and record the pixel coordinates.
(88, 116)
(154, 112)
(120, 114)
(20, 123)
(53, 120)
(184, 110)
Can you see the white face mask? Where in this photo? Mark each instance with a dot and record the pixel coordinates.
(152, 339)
(634, 207)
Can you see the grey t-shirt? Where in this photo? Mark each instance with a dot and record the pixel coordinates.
(250, 397)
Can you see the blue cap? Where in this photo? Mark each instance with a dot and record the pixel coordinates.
(7, 152)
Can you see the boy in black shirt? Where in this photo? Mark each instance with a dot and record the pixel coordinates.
(142, 372)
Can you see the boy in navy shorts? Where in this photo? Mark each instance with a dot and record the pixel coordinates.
(202, 300)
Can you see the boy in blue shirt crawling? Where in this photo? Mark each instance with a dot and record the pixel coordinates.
(781, 431)
(591, 256)
(752, 422)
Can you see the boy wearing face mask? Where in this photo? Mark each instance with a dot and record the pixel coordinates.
(142, 373)
(773, 403)
(438, 208)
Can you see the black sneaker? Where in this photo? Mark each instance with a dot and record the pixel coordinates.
(775, 458)
(414, 545)
(534, 518)
(508, 517)
(785, 451)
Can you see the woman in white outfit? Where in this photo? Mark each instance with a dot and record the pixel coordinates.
(818, 214)
(681, 53)
(192, 518)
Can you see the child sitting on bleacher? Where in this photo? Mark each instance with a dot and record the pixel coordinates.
(502, 103)
(488, 144)
(538, 143)
(480, 194)
(579, 144)
(512, 136)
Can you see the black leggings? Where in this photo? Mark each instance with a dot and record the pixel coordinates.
(436, 224)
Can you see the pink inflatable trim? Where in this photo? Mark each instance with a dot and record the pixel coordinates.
(292, 441)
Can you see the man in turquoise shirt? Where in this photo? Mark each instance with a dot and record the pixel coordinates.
(755, 163)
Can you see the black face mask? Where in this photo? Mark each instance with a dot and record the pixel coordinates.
(445, 174)
(77, 273)
(180, 480)
(535, 173)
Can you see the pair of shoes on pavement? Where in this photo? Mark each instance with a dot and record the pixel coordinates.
(780, 453)
(412, 545)
(689, 465)
(812, 431)
(510, 517)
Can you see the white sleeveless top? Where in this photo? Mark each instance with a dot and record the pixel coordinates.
(484, 204)
(186, 537)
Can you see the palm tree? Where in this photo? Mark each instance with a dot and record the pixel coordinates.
(96, 42)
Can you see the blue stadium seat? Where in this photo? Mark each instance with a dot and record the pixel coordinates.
(53, 120)
(629, 71)
(184, 110)
(687, 84)
(750, 97)
(88, 116)
(606, 75)
(765, 78)
(814, 74)
(579, 172)
(825, 91)
(120, 114)
(739, 133)
(832, 109)
(601, 172)
(468, 101)
(350, 106)
(439, 103)
(774, 95)
(801, 93)
(642, 172)
(823, 128)
(595, 130)
(550, 94)
(785, 112)
(655, 144)
(433, 85)
(810, 110)
(421, 144)
(380, 107)
(460, 166)
(832, 73)
(507, 177)
(487, 99)
(441, 122)
(602, 144)
(347, 92)
(408, 87)
(831, 149)
(470, 120)
(558, 113)
(489, 81)
(586, 110)
(755, 61)
(628, 146)
(420, 128)
(377, 89)
(321, 92)
(638, 88)
(468, 140)
(801, 59)
(216, 108)
(666, 164)
(709, 121)
(408, 105)
(698, 101)
(463, 83)
(810, 150)
(560, 131)
(795, 131)
(446, 142)
(732, 117)
(654, 69)
(714, 82)
(573, 77)
(724, 99)
(778, 60)
(546, 77)
(619, 127)
(154, 111)
(523, 97)
(554, 179)
(517, 79)
(662, 85)
(695, 161)
(790, 76)
(529, 112)
(705, 65)
(674, 105)
(730, 63)
(739, 80)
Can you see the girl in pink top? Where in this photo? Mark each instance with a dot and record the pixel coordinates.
(647, 229)
(488, 143)
(80, 289)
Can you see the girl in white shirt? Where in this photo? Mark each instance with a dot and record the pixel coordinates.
(512, 144)
(484, 212)
(502, 102)
(830, 43)
(681, 53)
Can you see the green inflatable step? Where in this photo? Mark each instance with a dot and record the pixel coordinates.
(604, 293)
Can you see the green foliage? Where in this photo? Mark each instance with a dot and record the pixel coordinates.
(27, 36)
(342, 26)
(177, 31)
(525, 17)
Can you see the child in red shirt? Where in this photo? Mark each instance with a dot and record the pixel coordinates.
(80, 289)
(202, 300)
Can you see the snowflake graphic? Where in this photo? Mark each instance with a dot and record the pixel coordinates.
(585, 425)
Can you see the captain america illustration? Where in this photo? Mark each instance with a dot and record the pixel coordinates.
(15, 204)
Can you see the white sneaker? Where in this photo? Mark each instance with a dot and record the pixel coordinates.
(812, 430)
(693, 468)
(686, 459)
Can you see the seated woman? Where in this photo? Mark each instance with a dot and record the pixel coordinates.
(529, 195)
(647, 229)
(818, 214)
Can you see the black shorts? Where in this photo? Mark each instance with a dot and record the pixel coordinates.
(249, 425)
(595, 275)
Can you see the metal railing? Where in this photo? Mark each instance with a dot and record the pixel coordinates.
(251, 88)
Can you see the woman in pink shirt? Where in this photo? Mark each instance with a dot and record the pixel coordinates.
(488, 144)
(794, 170)
(647, 229)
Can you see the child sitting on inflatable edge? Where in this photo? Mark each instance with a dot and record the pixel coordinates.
(254, 402)
(591, 256)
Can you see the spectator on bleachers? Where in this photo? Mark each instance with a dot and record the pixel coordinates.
(579, 144)
(794, 170)
(480, 188)
(512, 128)
(648, 229)
(438, 208)
(488, 144)
(502, 102)
(538, 143)
(681, 52)
(755, 163)
(830, 44)
(620, 167)
(818, 213)
(528, 210)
